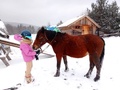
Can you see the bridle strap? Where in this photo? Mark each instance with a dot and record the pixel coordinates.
(52, 39)
(48, 40)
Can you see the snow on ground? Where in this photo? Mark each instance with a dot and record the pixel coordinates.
(44, 69)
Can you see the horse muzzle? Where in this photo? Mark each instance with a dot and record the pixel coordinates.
(35, 47)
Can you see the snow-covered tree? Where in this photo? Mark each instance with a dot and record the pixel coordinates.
(105, 14)
(60, 23)
(3, 28)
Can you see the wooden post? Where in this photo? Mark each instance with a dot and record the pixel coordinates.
(4, 60)
(6, 52)
(4, 56)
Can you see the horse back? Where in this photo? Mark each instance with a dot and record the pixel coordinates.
(79, 46)
(74, 46)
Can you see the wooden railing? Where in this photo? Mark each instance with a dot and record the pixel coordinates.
(9, 43)
(6, 42)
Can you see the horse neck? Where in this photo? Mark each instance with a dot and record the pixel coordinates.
(50, 35)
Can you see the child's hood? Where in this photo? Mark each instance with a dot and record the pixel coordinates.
(17, 37)
(21, 40)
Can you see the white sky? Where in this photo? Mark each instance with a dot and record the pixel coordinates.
(42, 12)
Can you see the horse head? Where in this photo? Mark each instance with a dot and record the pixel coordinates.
(43, 36)
(40, 38)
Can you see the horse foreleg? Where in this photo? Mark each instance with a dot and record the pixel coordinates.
(58, 67)
(65, 62)
(90, 69)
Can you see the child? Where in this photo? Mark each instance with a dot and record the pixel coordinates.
(28, 53)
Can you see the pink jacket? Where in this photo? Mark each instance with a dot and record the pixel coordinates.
(27, 51)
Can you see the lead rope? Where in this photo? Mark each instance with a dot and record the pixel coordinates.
(44, 49)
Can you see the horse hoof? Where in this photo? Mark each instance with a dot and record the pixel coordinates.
(96, 78)
(57, 75)
(87, 76)
(66, 70)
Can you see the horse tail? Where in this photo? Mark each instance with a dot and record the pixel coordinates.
(103, 53)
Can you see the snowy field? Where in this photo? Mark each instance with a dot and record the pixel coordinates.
(44, 69)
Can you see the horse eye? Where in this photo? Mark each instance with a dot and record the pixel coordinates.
(40, 37)
(44, 40)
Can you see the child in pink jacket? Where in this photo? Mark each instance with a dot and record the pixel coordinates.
(28, 53)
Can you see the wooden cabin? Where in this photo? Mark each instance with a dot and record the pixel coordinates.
(79, 25)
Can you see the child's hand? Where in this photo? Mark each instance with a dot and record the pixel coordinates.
(36, 57)
(37, 52)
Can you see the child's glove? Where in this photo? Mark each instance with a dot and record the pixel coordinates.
(37, 52)
(36, 57)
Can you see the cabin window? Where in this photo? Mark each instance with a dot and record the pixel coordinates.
(74, 32)
(77, 27)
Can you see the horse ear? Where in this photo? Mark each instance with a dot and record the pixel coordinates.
(42, 29)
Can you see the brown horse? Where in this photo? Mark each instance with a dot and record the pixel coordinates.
(74, 46)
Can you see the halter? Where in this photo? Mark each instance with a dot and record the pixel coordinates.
(48, 40)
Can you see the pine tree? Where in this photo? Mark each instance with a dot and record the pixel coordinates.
(105, 15)
(60, 23)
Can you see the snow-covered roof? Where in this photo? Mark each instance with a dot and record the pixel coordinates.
(2, 33)
(2, 26)
(69, 22)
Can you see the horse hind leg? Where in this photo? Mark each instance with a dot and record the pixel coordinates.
(98, 63)
(66, 63)
(94, 61)
(98, 73)
(90, 69)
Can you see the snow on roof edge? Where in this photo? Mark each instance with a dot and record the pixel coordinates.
(2, 26)
(70, 21)
(75, 19)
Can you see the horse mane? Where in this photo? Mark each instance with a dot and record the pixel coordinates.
(50, 34)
